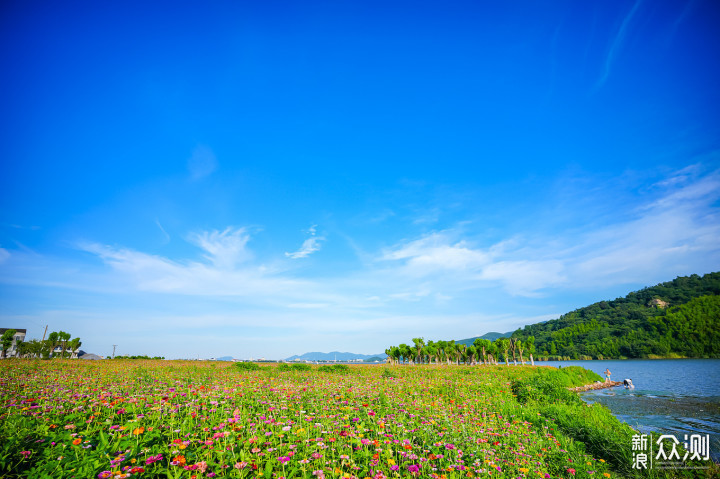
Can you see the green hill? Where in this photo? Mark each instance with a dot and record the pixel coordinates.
(679, 318)
(490, 336)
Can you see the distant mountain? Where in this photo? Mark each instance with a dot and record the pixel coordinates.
(490, 336)
(334, 355)
(375, 359)
(225, 358)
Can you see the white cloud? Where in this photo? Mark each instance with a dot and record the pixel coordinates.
(436, 251)
(4, 255)
(225, 249)
(309, 246)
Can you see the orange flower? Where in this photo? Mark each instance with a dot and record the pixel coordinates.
(138, 431)
(180, 460)
(77, 441)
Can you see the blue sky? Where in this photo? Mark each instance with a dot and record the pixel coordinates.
(274, 178)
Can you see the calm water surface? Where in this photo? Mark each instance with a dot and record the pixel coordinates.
(671, 396)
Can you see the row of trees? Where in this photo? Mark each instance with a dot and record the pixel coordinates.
(482, 351)
(57, 340)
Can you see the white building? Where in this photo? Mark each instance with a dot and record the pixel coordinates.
(18, 338)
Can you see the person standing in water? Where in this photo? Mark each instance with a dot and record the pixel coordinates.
(607, 375)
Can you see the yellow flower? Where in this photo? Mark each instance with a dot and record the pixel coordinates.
(606, 474)
(391, 462)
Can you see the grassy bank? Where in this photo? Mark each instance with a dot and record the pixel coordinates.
(182, 419)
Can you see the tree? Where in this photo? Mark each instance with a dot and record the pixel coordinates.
(74, 345)
(482, 345)
(419, 344)
(441, 346)
(471, 353)
(530, 345)
(63, 337)
(35, 348)
(7, 340)
(459, 352)
(503, 345)
(492, 352)
(23, 349)
(450, 351)
(52, 342)
(519, 346)
(406, 353)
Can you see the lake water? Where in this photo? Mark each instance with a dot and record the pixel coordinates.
(671, 396)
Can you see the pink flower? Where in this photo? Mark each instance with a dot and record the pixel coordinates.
(571, 471)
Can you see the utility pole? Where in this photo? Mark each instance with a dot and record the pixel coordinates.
(114, 346)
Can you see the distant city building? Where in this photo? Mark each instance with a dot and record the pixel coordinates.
(18, 338)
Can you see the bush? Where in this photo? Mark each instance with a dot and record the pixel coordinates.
(293, 367)
(335, 368)
(247, 366)
(300, 367)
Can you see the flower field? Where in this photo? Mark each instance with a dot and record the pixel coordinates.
(119, 419)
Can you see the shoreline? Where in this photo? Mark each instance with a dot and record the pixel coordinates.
(595, 386)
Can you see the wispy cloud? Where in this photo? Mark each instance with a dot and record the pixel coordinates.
(309, 246)
(225, 249)
(437, 251)
(616, 44)
(202, 162)
(432, 283)
(673, 231)
(165, 233)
